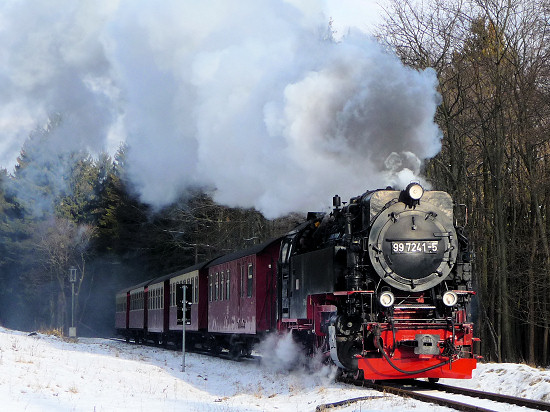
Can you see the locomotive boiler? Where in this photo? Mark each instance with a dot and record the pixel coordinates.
(381, 286)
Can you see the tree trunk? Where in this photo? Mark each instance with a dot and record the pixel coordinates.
(531, 301)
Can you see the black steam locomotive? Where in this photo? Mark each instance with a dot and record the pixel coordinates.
(382, 286)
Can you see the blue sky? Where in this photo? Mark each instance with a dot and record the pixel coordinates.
(363, 14)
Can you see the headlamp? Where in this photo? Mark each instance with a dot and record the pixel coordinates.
(386, 299)
(415, 191)
(450, 298)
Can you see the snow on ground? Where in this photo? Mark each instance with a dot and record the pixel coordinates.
(46, 373)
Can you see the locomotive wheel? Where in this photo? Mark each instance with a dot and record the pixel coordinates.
(235, 352)
(359, 374)
(216, 349)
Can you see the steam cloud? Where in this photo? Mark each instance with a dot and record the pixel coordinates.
(280, 354)
(251, 98)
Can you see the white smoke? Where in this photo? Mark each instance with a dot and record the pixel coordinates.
(281, 354)
(251, 98)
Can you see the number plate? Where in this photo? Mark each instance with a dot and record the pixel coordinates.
(409, 246)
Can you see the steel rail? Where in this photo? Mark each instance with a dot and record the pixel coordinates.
(396, 389)
(407, 393)
(514, 400)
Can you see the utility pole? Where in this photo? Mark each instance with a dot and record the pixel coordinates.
(72, 279)
(184, 321)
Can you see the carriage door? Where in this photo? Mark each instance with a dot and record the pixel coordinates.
(242, 292)
(285, 291)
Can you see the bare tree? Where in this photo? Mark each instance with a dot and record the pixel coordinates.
(63, 244)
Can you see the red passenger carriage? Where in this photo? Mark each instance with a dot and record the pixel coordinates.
(242, 297)
(131, 316)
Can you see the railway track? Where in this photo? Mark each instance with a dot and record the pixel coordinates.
(429, 392)
(438, 394)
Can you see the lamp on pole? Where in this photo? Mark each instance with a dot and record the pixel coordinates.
(72, 279)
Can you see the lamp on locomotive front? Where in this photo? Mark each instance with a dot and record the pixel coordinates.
(450, 298)
(386, 299)
(415, 191)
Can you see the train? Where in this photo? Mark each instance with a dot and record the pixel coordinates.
(381, 287)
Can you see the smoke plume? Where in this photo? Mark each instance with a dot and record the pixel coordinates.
(280, 354)
(253, 99)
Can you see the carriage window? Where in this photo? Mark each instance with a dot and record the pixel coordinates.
(242, 281)
(210, 292)
(196, 289)
(217, 285)
(174, 293)
(249, 282)
(222, 286)
(228, 286)
(284, 253)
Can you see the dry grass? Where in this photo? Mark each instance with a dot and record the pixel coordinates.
(57, 332)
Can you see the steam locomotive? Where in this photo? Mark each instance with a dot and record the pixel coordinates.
(380, 287)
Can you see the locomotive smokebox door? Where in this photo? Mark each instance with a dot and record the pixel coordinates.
(180, 301)
(414, 249)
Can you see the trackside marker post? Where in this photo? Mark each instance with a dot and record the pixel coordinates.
(184, 321)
